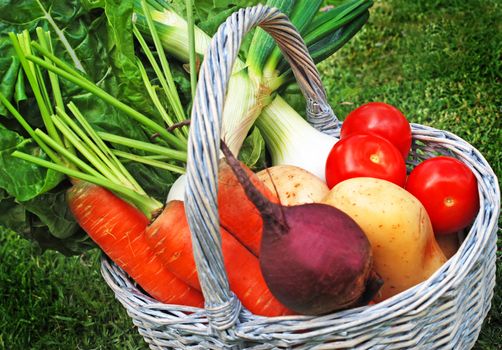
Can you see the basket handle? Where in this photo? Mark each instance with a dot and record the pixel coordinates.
(222, 306)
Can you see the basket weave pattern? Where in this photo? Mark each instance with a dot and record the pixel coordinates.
(444, 312)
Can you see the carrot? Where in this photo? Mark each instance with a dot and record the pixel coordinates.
(238, 215)
(170, 237)
(118, 229)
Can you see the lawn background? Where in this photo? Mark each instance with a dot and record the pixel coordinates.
(438, 61)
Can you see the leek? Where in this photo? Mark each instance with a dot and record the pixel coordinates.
(291, 140)
(252, 84)
(172, 30)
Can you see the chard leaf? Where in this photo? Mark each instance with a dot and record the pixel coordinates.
(209, 14)
(8, 83)
(252, 152)
(23, 180)
(20, 218)
(52, 212)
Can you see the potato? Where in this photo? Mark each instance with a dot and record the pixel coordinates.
(400, 232)
(293, 184)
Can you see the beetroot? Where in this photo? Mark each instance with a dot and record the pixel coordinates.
(314, 258)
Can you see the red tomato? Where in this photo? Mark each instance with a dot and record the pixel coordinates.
(448, 190)
(380, 119)
(365, 155)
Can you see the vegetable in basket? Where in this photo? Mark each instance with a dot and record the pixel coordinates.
(291, 140)
(293, 184)
(381, 119)
(365, 155)
(448, 190)
(238, 214)
(314, 258)
(119, 230)
(405, 251)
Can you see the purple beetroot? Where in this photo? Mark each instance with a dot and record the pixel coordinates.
(314, 258)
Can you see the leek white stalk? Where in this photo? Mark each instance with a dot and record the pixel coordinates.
(173, 33)
(243, 104)
(291, 140)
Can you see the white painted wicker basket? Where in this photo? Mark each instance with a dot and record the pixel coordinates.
(444, 312)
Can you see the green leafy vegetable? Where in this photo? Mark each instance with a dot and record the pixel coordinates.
(20, 179)
(209, 14)
(8, 83)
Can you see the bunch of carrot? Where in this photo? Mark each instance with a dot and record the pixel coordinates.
(149, 241)
(158, 254)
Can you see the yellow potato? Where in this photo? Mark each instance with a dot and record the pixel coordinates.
(404, 248)
(293, 184)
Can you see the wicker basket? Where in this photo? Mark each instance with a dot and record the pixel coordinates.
(444, 312)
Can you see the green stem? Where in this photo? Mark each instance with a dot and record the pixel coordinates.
(162, 80)
(144, 146)
(94, 89)
(85, 150)
(191, 44)
(26, 44)
(93, 152)
(146, 204)
(19, 42)
(148, 161)
(171, 92)
(153, 94)
(63, 39)
(115, 164)
(67, 154)
(46, 43)
(57, 61)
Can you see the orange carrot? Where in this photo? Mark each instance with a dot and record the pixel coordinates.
(170, 237)
(238, 215)
(118, 229)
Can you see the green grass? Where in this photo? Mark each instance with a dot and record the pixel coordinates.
(50, 301)
(438, 61)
